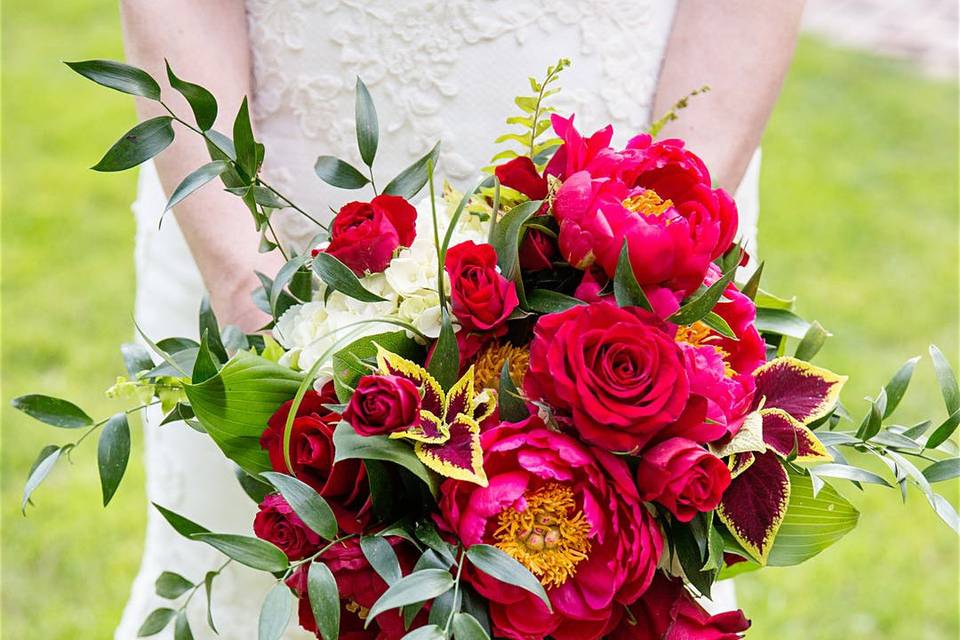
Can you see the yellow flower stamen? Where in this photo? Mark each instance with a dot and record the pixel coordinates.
(648, 203)
(700, 335)
(355, 607)
(486, 369)
(550, 537)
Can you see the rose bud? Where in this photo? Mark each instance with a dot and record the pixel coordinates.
(537, 251)
(683, 477)
(482, 299)
(364, 235)
(383, 404)
(276, 522)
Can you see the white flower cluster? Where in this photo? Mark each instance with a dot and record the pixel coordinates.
(318, 329)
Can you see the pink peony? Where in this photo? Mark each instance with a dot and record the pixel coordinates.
(569, 513)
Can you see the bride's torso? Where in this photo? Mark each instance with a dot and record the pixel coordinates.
(443, 70)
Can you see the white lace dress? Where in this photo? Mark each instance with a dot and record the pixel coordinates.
(437, 69)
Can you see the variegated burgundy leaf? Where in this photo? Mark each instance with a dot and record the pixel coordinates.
(460, 398)
(460, 457)
(431, 394)
(740, 462)
(804, 391)
(754, 504)
(428, 428)
(782, 432)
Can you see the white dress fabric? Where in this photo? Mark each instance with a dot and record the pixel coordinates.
(438, 70)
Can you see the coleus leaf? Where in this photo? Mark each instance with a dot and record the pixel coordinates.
(785, 434)
(461, 456)
(804, 391)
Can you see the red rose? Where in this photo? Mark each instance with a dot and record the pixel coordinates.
(683, 477)
(277, 523)
(615, 373)
(537, 251)
(667, 611)
(359, 586)
(521, 175)
(343, 485)
(382, 405)
(482, 298)
(364, 235)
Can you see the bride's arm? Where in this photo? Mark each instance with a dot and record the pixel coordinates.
(742, 49)
(206, 42)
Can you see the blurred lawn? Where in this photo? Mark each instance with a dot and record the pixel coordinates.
(859, 220)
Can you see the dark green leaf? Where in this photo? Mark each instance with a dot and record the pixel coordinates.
(497, 564)
(205, 367)
(547, 301)
(113, 452)
(507, 237)
(947, 380)
(444, 606)
(184, 526)
(255, 488)
(201, 101)
(307, 503)
(945, 510)
(942, 433)
(209, 324)
(118, 76)
(813, 340)
(208, 588)
(781, 322)
(753, 284)
(339, 277)
(943, 470)
(893, 439)
(275, 613)
(324, 600)
(427, 533)
(171, 585)
(348, 445)
(52, 411)
(339, 173)
(368, 130)
(136, 358)
(181, 628)
(267, 198)
(176, 365)
(252, 552)
(718, 324)
(510, 402)
(466, 627)
(426, 632)
(412, 179)
(696, 308)
(41, 468)
(476, 607)
(173, 345)
(626, 289)
(917, 430)
(234, 339)
(138, 145)
(416, 587)
(444, 363)
(898, 385)
(284, 276)
(243, 141)
(348, 363)
(195, 180)
(847, 472)
(381, 556)
(870, 426)
(156, 622)
(220, 147)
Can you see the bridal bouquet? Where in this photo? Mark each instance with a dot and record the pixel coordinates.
(540, 407)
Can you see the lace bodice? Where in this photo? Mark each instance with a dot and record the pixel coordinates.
(438, 70)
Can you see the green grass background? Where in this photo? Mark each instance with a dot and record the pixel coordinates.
(859, 202)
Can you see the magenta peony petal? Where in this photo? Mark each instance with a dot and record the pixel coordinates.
(804, 391)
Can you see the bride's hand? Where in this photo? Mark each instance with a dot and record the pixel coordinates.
(206, 43)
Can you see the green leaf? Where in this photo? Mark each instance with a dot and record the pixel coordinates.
(204, 367)
(426, 632)
(811, 524)
(208, 588)
(466, 627)
(234, 405)
(348, 365)
(444, 363)
(945, 510)
(339, 173)
(307, 503)
(416, 587)
(339, 277)
(507, 235)
(947, 380)
(718, 324)
(156, 622)
(41, 468)
(201, 101)
(381, 556)
(171, 585)
(52, 411)
(255, 488)
(626, 289)
(349, 445)
(873, 420)
(324, 600)
(752, 285)
(497, 564)
(243, 140)
(848, 472)
(209, 325)
(942, 470)
(368, 129)
(249, 551)
(898, 385)
(184, 526)
(118, 76)
(113, 452)
(781, 322)
(181, 628)
(138, 145)
(510, 402)
(173, 345)
(195, 180)
(275, 613)
(136, 358)
(443, 607)
(813, 340)
(696, 308)
(412, 179)
(548, 301)
(284, 276)
(942, 433)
